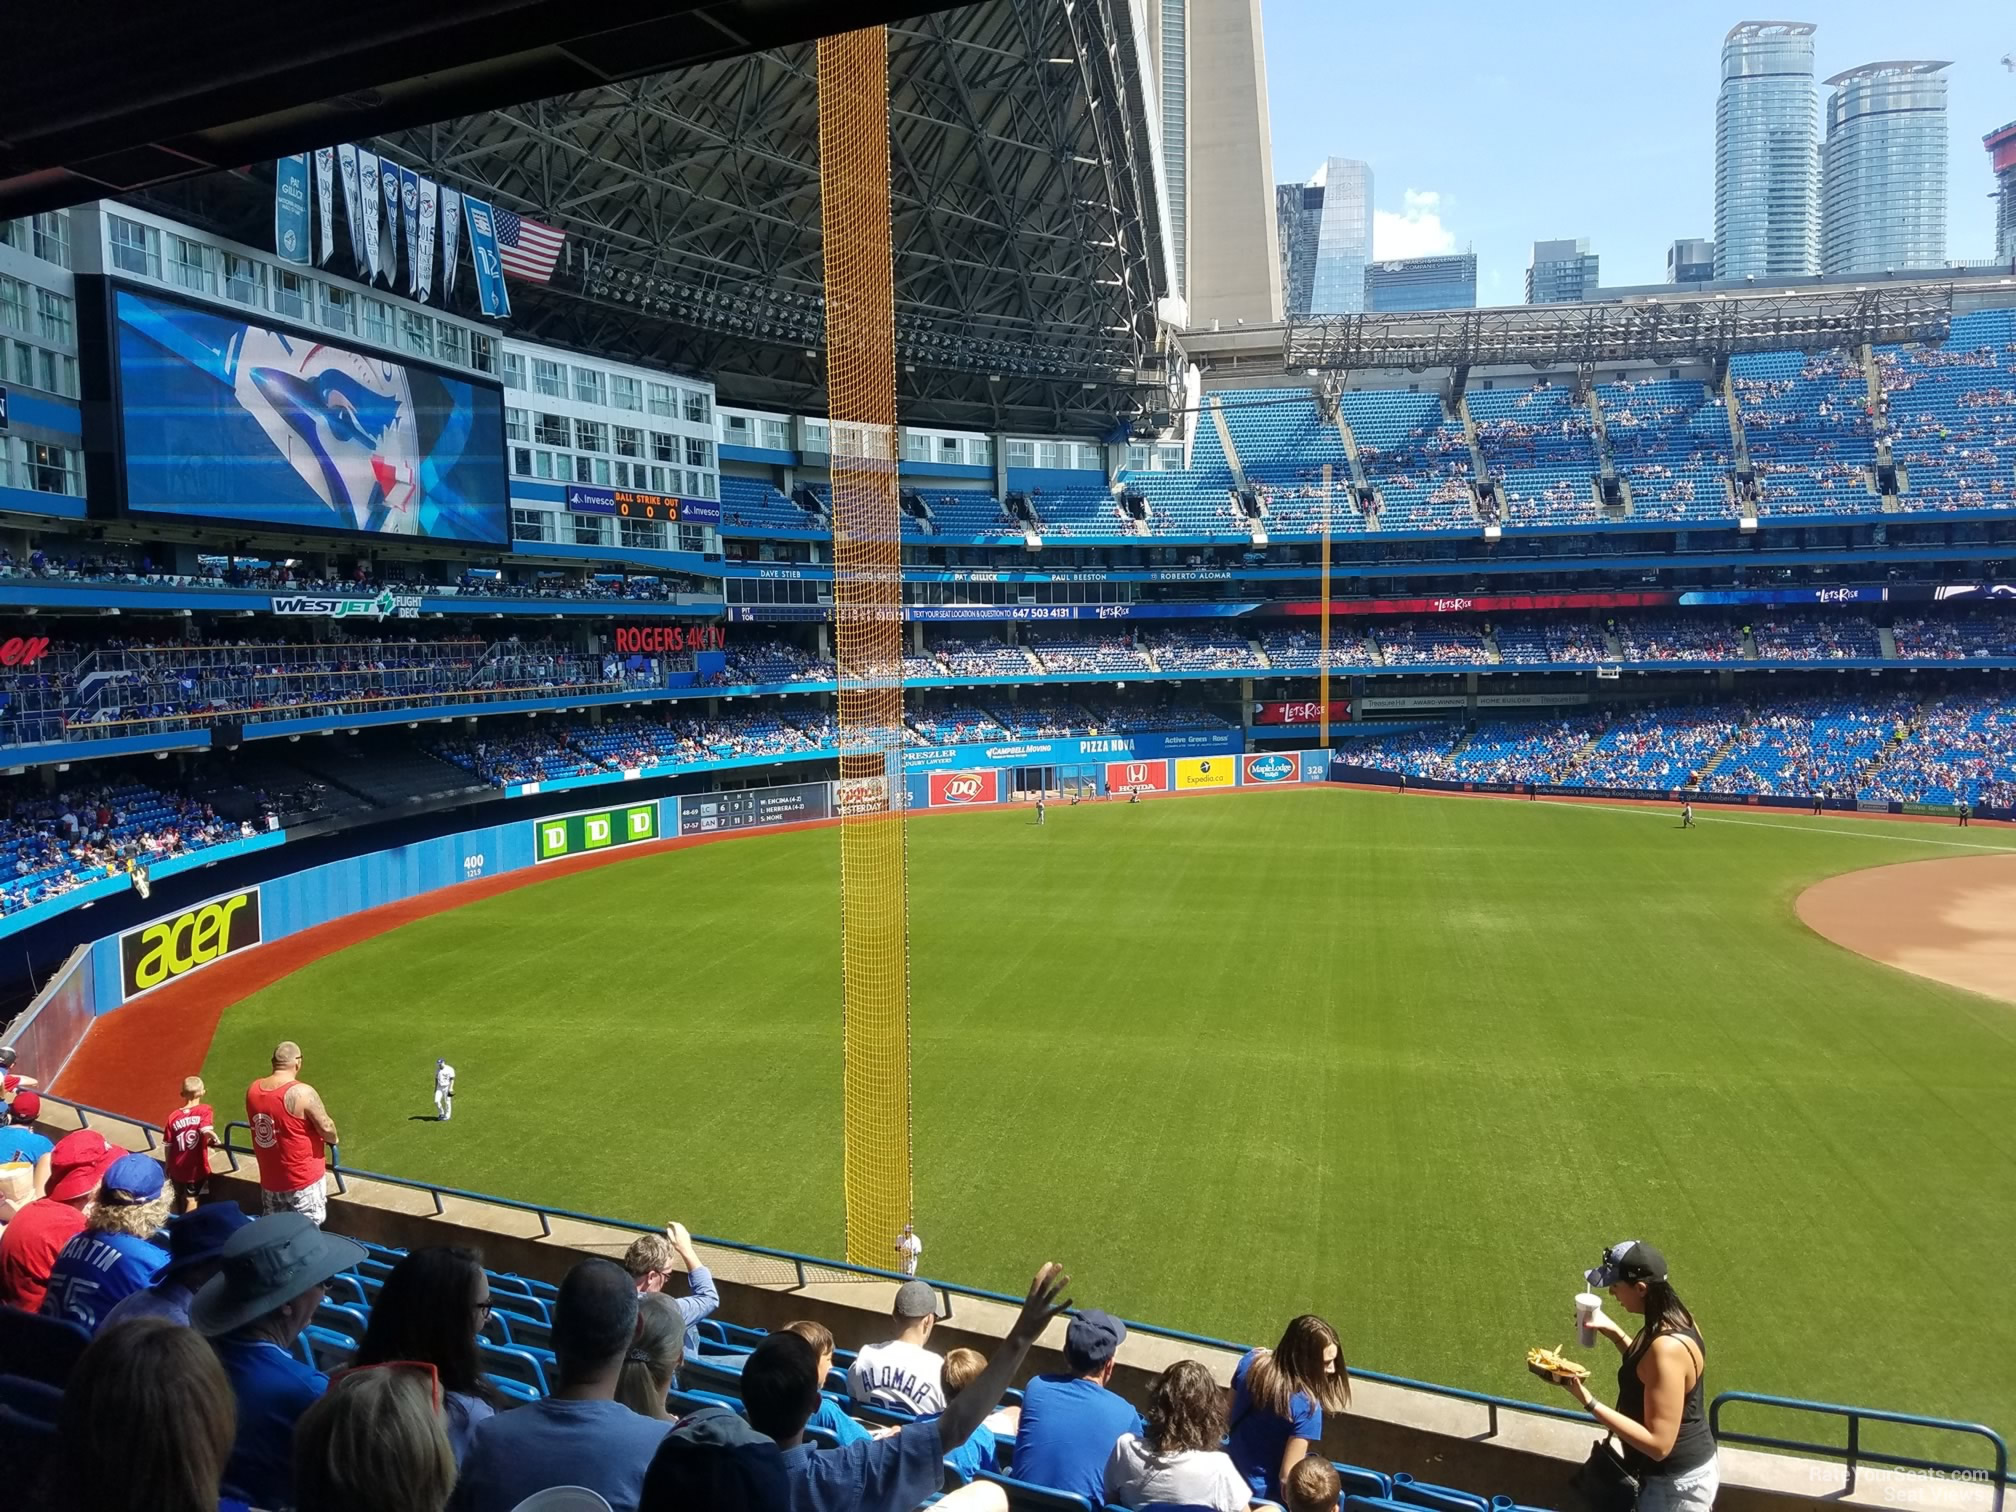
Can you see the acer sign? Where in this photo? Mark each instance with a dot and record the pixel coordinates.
(1290, 712)
(1137, 776)
(965, 787)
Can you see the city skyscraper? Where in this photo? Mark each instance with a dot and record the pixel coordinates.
(1562, 272)
(2001, 145)
(1690, 260)
(1217, 157)
(1325, 233)
(1883, 169)
(1444, 282)
(1767, 158)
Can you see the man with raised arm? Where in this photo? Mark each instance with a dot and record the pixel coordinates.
(289, 1129)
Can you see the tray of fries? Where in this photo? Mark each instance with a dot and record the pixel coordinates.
(1553, 1365)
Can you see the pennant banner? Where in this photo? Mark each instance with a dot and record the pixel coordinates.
(388, 184)
(370, 212)
(325, 199)
(428, 205)
(290, 208)
(346, 159)
(409, 207)
(490, 292)
(451, 233)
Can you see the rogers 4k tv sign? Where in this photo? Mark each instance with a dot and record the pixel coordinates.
(597, 829)
(171, 947)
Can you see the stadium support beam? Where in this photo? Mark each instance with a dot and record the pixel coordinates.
(868, 638)
(1674, 328)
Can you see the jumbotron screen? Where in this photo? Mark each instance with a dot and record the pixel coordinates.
(232, 420)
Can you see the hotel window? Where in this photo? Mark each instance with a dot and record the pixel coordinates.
(416, 332)
(629, 441)
(553, 430)
(290, 294)
(339, 309)
(591, 435)
(13, 305)
(52, 237)
(699, 453)
(696, 407)
(517, 427)
(660, 400)
(136, 249)
(454, 344)
(244, 280)
(514, 370)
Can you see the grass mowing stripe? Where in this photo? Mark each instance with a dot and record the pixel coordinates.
(1410, 1063)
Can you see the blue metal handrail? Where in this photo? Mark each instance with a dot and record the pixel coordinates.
(947, 1290)
(1853, 1453)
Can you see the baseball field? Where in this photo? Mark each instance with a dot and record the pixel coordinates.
(1409, 1062)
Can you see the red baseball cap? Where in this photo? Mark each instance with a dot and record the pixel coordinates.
(27, 1107)
(79, 1162)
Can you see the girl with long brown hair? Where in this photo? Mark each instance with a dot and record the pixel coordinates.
(1279, 1396)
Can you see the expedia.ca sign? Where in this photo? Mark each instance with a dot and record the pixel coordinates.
(178, 944)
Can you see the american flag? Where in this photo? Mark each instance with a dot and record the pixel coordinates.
(528, 248)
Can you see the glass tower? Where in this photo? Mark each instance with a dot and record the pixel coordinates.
(1767, 159)
(2001, 145)
(1447, 281)
(1883, 169)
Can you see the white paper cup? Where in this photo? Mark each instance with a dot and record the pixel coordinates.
(1587, 1306)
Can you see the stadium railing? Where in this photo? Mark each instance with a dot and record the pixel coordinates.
(805, 1270)
(1853, 1453)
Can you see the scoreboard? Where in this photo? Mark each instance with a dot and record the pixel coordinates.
(753, 808)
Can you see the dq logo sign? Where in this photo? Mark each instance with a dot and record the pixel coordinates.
(168, 948)
(1137, 776)
(964, 787)
(1272, 766)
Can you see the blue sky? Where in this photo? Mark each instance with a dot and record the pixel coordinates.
(1492, 126)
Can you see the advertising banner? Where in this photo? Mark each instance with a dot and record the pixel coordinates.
(632, 505)
(861, 795)
(1291, 712)
(596, 829)
(1035, 612)
(233, 420)
(290, 208)
(1477, 603)
(1205, 772)
(174, 946)
(753, 808)
(386, 605)
(651, 640)
(1073, 750)
(1315, 765)
(965, 787)
(490, 294)
(1270, 769)
(1137, 776)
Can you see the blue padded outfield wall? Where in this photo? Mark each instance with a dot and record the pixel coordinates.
(113, 970)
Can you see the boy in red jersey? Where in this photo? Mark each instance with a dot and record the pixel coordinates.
(189, 1136)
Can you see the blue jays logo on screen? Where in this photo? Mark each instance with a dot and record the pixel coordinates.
(1272, 766)
(236, 421)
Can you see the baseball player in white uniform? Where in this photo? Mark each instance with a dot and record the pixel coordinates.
(444, 1091)
(909, 1247)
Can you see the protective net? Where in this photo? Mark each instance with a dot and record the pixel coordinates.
(868, 636)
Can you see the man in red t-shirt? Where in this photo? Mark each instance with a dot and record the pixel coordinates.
(190, 1135)
(30, 1244)
(289, 1129)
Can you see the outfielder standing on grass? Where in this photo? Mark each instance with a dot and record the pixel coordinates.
(1686, 813)
(444, 1091)
(908, 1248)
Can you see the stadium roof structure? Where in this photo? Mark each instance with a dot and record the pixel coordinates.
(1031, 233)
(1667, 328)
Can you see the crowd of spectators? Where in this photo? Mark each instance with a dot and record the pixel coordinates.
(53, 843)
(1816, 638)
(1820, 745)
(1431, 642)
(1963, 637)
(1184, 650)
(1110, 652)
(1677, 638)
(1960, 748)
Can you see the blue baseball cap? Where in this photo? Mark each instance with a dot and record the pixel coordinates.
(133, 1179)
(194, 1238)
(1091, 1338)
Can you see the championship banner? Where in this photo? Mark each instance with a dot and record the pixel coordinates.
(1205, 771)
(1137, 776)
(428, 192)
(346, 168)
(388, 188)
(325, 199)
(451, 236)
(952, 788)
(369, 214)
(1269, 768)
(490, 292)
(290, 208)
(409, 202)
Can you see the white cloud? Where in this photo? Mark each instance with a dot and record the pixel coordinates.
(1416, 231)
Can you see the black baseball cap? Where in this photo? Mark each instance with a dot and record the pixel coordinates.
(1628, 1260)
(1091, 1338)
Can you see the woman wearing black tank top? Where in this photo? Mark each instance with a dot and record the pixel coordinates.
(1659, 1421)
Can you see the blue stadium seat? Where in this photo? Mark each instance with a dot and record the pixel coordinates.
(513, 1362)
(1436, 1498)
(1359, 1481)
(1024, 1496)
(42, 1349)
(325, 1349)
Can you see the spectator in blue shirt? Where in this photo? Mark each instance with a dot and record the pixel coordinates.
(195, 1245)
(962, 1369)
(580, 1435)
(830, 1415)
(19, 1142)
(269, 1282)
(780, 1389)
(1070, 1423)
(649, 1261)
(1279, 1397)
(114, 1256)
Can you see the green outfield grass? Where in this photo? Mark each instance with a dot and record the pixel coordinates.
(1407, 1062)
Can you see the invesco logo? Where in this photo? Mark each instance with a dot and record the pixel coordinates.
(170, 947)
(1273, 768)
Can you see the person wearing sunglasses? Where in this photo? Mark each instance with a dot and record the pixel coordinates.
(375, 1442)
(433, 1307)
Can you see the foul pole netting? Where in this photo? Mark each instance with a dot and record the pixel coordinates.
(868, 637)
